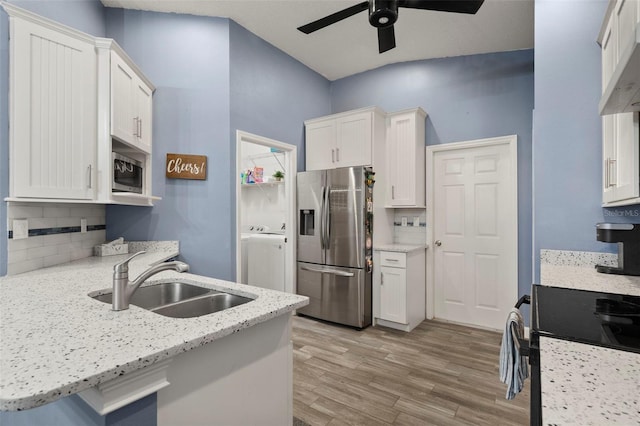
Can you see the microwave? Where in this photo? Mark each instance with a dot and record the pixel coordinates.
(127, 174)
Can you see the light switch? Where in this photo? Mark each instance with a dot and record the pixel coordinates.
(416, 221)
(404, 221)
(83, 225)
(20, 229)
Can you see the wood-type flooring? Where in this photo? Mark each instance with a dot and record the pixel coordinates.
(439, 374)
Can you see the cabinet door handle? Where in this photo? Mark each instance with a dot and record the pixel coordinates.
(140, 128)
(606, 173)
(391, 260)
(135, 126)
(613, 169)
(393, 192)
(338, 155)
(438, 243)
(382, 279)
(89, 172)
(333, 155)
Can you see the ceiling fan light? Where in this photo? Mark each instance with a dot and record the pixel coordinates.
(383, 13)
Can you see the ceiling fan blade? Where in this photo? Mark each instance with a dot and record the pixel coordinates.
(458, 6)
(334, 17)
(386, 39)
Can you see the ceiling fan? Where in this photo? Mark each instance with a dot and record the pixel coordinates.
(384, 13)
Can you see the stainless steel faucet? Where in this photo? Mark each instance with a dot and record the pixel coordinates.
(123, 289)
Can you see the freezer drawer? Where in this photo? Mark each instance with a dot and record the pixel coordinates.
(341, 295)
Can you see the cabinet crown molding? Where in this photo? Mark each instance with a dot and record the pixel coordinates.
(18, 12)
(111, 44)
(373, 109)
(419, 111)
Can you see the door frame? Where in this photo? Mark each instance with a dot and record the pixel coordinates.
(290, 159)
(512, 142)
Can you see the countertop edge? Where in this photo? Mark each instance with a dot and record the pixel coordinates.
(401, 248)
(32, 398)
(25, 403)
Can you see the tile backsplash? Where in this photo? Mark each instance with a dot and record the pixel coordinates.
(409, 234)
(54, 234)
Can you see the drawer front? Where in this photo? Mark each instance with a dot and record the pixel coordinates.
(393, 259)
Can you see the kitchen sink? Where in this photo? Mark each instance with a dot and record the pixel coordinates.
(153, 296)
(180, 300)
(203, 305)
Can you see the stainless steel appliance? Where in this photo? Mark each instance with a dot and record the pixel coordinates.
(335, 223)
(128, 174)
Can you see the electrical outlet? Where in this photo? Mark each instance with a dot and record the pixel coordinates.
(404, 221)
(416, 221)
(83, 226)
(20, 229)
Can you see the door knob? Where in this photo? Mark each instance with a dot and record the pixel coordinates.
(438, 243)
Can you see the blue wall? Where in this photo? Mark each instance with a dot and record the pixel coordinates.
(567, 167)
(271, 96)
(84, 15)
(73, 411)
(187, 58)
(272, 93)
(212, 77)
(468, 97)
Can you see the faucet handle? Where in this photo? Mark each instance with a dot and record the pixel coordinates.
(123, 267)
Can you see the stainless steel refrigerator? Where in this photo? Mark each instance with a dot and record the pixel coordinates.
(335, 222)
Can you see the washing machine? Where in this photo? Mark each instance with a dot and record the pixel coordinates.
(266, 261)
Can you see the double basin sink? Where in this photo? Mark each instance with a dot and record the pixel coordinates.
(179, 299)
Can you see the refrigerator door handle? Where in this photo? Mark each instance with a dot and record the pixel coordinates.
(322, 219)
(328, 271)
(327, 213)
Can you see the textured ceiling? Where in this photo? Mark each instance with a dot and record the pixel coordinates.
(350, 46)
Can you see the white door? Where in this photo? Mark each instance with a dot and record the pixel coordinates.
(475, 233)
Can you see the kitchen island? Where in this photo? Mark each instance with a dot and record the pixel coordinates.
(56, 341)
(580, 383)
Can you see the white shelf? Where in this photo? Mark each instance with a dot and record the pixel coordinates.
(245, 185)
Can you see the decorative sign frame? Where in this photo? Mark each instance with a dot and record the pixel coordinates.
(186, 166)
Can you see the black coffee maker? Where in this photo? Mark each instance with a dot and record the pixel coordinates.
(627, 235)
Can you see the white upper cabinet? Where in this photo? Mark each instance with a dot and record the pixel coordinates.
(620, 41)
(620, 131)
(125, 99)
(64, 87)
(131, 104)
(53, 112)
(406, 159)
(320, 140)
(353, 141)
(621, 159)
(341, 140)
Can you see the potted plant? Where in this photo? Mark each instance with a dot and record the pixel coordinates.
(278, 176)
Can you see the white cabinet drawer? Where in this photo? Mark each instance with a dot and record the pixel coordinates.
(393, 259)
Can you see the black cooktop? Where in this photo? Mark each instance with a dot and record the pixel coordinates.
(604, 319)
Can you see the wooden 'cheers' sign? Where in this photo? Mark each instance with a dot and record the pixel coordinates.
(184, 166)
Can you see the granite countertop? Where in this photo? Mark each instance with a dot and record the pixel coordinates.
(586, 384)
(587, 278)
(401, 248)
(56, 341)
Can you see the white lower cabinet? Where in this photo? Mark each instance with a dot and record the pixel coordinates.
(401, 289)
